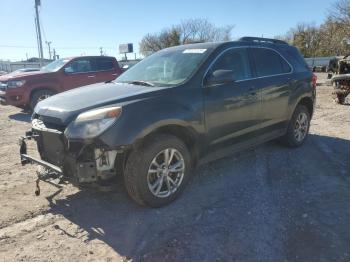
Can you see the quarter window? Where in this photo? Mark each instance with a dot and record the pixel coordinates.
(268, 62)
(235, 60)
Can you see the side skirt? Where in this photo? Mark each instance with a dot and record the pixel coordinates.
(230, 150)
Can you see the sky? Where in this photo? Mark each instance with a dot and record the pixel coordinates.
(81, 27)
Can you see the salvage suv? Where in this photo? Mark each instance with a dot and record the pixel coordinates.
(176, 109)
(26, 89)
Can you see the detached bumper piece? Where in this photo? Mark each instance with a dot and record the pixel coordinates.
(54, 172)
(26, 159)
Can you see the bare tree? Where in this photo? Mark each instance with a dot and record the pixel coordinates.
(188, 31)
(330, 38)
(340, 12)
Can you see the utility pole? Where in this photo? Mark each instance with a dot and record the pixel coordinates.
(48, 45)
(54, 54)
(38, 31)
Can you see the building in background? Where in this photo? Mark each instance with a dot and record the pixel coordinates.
(33, 62)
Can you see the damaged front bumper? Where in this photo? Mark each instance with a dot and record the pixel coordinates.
(77, 161)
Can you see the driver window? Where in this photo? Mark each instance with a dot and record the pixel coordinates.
(79, 66)
(235, 60)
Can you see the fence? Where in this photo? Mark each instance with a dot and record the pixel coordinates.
(12, 66)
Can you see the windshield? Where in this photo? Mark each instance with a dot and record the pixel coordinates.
(165, 68)
(55, 65)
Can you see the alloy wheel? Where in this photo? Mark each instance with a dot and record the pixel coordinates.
(166, 172)
(301, 127)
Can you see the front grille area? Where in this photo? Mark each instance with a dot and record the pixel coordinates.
(51, 147)
(3, 86)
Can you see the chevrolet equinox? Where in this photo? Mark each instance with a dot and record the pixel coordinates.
(176, 109)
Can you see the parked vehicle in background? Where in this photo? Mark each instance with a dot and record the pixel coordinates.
(3, 73)
(127, 64)
(319, 64)
(28, 88)
(341, 79)
(177, 108)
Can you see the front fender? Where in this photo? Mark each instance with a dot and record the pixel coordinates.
(141, 119)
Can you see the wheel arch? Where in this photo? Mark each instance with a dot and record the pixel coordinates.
(183, 133)
(308, 103)
(40, 88)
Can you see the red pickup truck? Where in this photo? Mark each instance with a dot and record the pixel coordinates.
(27, 89)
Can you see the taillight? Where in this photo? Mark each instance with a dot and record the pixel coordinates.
(314, 80)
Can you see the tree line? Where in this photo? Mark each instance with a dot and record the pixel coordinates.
(330, 38)
(187, 32)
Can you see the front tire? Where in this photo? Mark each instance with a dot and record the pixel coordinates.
(40, 95)
(298, 127)
(158, 171)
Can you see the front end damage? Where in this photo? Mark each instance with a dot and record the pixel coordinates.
(78, 161)
(341, 80)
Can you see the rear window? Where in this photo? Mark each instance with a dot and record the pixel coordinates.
(268, 62)
(103, 64)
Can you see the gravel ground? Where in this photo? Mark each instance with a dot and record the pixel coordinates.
(267, 204)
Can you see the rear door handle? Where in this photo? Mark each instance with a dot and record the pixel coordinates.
(91, 76)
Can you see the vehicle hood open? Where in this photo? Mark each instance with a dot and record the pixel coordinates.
(62, 108)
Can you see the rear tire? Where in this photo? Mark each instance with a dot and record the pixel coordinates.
(40, 95)
(156, 173)
(298, 127)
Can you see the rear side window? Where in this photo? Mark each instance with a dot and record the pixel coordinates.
(268, 62)
(103, 64)
(235, 60)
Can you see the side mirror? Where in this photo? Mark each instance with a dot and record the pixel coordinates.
(220, 77)
(68, 70)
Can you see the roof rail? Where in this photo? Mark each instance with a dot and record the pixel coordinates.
(262, 40)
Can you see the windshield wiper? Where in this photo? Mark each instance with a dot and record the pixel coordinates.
(141, 82)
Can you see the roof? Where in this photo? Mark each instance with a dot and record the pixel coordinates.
(250, 41)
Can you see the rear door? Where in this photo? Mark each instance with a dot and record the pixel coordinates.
(231, 109)
(273, 79)
(105, 69)
(78, 73)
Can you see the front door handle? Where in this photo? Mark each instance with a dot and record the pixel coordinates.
(91, 76)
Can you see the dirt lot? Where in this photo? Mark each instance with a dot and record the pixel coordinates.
(267, 204)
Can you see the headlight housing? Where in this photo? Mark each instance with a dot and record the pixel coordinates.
(92, 123)
(15, 83)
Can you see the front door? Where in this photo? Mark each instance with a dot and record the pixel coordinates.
(79, 73)
(232, 109)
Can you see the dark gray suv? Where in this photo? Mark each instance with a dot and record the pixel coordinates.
(177, 108)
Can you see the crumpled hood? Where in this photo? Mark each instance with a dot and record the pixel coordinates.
(64, 107)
